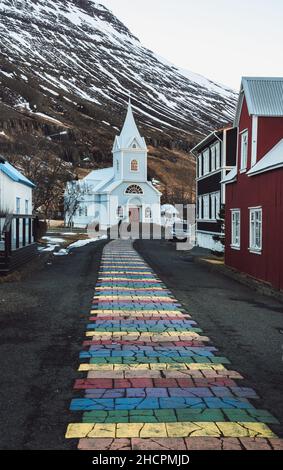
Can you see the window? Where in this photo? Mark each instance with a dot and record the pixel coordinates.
(117, 165)
(217, 156)
(256, 229)
(134, 189)
(26, 206)
(120, 212)
(217, 205)
(134, 165)
(236, 228)
(212, 157)
(80, 211)
(200, 165)
(148, 213)
(206, 207)
(206, 162)
(244, 150)
(18, 205)
(86, 211)
(212, 207)
(200, 207)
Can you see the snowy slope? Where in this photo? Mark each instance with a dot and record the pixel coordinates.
(79, 51)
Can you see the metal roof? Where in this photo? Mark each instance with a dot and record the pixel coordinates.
(264, 96)
(14, 174)
(271, 161)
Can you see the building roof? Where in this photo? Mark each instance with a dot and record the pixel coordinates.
(214, 135)
(100, 175)
(271, 161)
(264, 96)
(129, 133)
(14, 174)
(230, 177)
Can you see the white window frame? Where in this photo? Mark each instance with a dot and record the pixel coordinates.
(244, 149)
(205, 162)
(206, 206)
(120, 212)
(134, 160)
(148, 213)
(18, 205)
(213, 157)
(217, 156)
(236, 229)
(200, 165)
(255, 224)
(217, 204)
(213, 206)
(200, 203)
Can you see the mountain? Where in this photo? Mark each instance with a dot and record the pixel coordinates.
(66, 70)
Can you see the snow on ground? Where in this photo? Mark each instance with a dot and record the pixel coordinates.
(80, 243)
(54, 239)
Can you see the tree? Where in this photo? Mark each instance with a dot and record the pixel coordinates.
(50, 175)
(72, 198)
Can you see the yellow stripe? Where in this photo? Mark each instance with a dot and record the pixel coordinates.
(154, 366)
(163, 430)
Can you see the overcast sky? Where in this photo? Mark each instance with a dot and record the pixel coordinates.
(220, 39)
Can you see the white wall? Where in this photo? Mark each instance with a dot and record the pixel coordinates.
(205, 240)
(107, 206)
(10, 190)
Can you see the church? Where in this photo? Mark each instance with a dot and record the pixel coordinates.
(120, 193)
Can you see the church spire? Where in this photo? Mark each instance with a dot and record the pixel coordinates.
(130, 132)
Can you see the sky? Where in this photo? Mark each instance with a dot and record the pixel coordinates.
(220, 39)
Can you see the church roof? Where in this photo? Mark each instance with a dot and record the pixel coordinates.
(102, 174)
(130, 134)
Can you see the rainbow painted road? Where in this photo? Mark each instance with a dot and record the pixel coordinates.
(154, 381)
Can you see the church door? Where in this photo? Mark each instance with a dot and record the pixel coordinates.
(134, 215)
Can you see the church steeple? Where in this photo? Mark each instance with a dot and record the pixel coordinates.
(130, 151)
(130, 134)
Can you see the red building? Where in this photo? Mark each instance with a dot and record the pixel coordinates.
(254, 189)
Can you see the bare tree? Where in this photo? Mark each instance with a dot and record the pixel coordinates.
(72, 199)
(50, 175)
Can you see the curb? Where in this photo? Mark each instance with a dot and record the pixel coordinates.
(249, 281)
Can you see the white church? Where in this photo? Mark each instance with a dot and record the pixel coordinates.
(120, 193)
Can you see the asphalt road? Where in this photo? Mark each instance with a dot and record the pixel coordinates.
(42, 325)
(43, 320)
(245, 326)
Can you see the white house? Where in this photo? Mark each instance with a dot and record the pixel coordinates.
(15, 190)
(16, 225)
(121, 192)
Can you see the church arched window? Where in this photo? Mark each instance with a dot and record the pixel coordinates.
(134, 189)
(120, 211)
(148, 213)
(134, 165)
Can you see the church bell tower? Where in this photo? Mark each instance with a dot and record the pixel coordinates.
(130, 152)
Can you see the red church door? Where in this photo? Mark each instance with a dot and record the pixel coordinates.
(134, 215)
